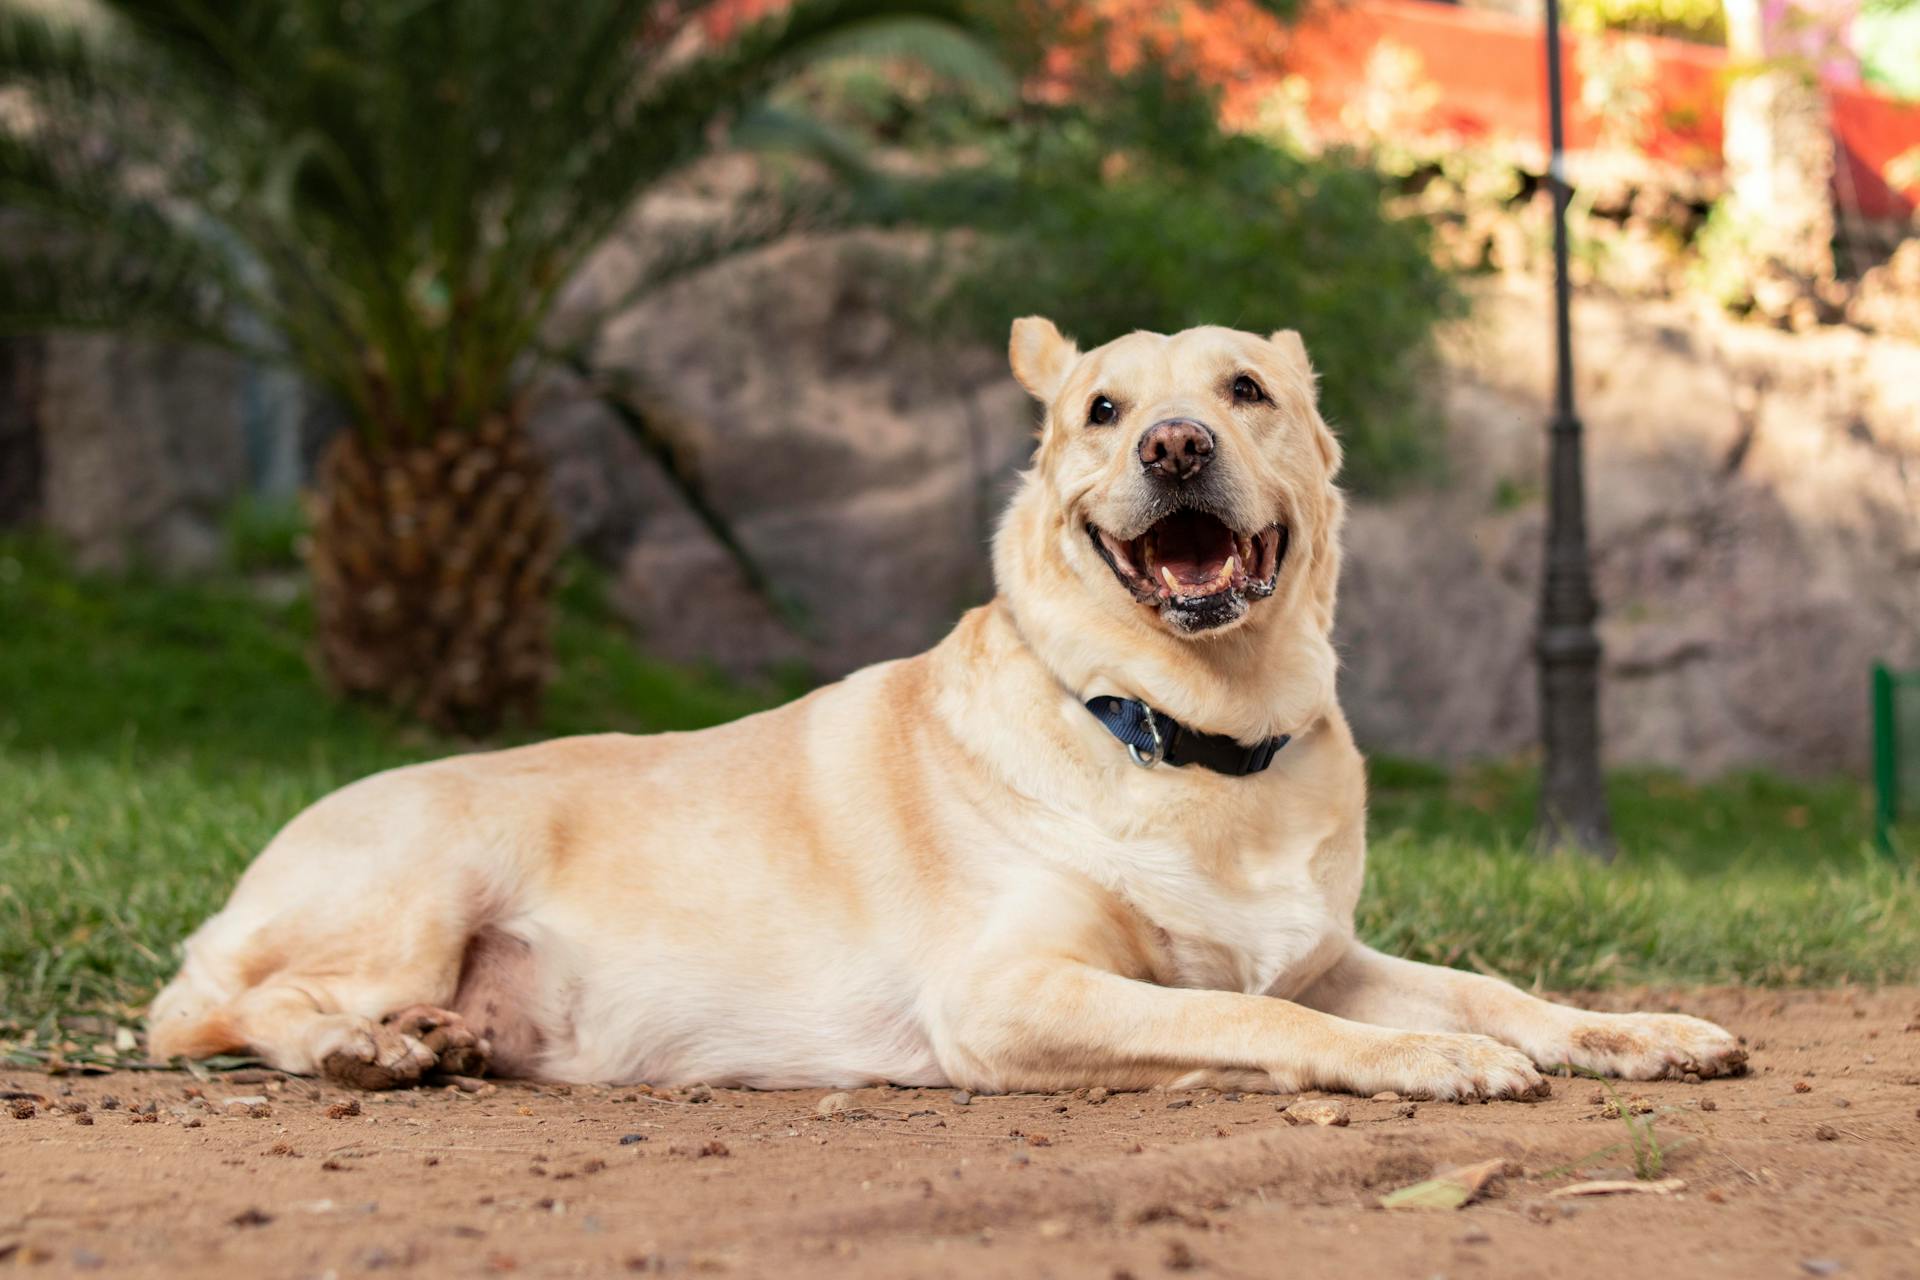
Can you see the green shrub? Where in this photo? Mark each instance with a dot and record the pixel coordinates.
(1700, 20)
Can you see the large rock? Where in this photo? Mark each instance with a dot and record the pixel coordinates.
(142, 448)
(861, 465)
(1755, 509)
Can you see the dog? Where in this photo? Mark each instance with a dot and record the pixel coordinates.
(1110, 831)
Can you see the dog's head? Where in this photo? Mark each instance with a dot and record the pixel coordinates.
(1183, 482)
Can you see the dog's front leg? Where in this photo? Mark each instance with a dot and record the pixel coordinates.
(1382, 990)
(1050, 1022)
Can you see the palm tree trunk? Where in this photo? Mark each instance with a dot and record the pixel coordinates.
(433, 574)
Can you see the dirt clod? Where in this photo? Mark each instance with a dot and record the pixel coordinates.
(833, 1104)
(1321, 1111)
(341, 1110)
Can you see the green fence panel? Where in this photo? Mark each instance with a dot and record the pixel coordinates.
(1896, 758)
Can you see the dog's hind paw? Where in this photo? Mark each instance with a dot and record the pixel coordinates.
(457, 1049)
(377, 1057)
(404, 1047)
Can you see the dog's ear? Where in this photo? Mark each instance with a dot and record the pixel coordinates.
(1294, 351)
(1293, 348)
(1040, 356)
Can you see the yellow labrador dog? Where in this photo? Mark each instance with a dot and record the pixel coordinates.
(1109, 832)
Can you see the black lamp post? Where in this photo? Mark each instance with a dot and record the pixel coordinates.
(1573, 797)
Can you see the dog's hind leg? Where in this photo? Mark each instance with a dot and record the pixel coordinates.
(358, 1027)
(343, 944)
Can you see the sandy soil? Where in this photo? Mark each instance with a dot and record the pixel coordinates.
(1808, 1166)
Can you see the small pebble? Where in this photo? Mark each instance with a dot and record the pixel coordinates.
(833, 1104)
(1825, 1132)
(961, 1098)
(700, 1093)
(1708, 1104)
(1098, 1094)
(1386, 1096)
(1820, 1266)
(628, 1139)
(1178, 1103)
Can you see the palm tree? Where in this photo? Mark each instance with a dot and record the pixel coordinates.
(390, 195)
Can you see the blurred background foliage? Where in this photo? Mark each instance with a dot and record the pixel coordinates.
(1129, 207)
(1701, 20)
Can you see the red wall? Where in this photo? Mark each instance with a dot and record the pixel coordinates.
(1491, 72)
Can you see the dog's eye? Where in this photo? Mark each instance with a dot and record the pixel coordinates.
(1247, 391)
(1102, 411)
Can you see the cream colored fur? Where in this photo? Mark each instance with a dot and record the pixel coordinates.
(941, 870)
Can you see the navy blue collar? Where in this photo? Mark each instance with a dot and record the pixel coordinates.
(1154, 737)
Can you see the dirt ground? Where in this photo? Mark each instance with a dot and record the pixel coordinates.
(1810, 1165)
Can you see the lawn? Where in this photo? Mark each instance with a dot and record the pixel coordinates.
(154, 735)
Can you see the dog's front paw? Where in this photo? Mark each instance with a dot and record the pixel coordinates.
(1652, 1046)
(1451, 1068)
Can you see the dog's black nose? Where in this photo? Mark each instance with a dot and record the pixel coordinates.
(1176, 449)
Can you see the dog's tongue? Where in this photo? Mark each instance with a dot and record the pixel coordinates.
(1191, 546)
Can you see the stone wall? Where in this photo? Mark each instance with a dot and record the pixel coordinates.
(1756, 526)
(142, 446)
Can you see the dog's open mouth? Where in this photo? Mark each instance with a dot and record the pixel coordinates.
(1191, 560)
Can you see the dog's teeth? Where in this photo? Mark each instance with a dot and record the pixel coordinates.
(1172, 584)
(1233, 567)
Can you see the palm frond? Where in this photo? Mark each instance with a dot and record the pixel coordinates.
(948, 51)
(401, 189)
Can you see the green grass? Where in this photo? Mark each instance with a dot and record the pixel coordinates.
(153, 736)
(1750, 878)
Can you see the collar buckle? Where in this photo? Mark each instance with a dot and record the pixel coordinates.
(1159, 751)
